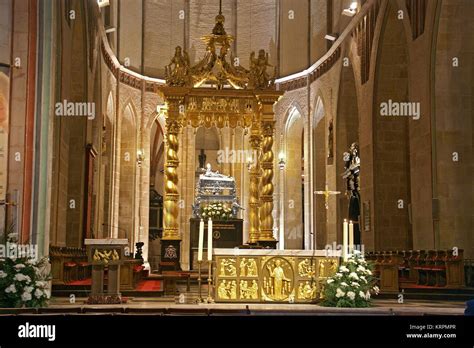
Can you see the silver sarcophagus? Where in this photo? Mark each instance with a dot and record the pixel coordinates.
(215, 196)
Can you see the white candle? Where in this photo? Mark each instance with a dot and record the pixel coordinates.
(209, 240)
(351, 237)
(344, 240)
(201, 239)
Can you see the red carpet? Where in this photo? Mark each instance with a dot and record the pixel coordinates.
(149, 285)
(417, 286)
(143, 286)
(84, 282)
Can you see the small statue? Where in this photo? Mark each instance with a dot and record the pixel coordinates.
(202, 159)
(210, 173)
(351, 174)
(259, 78)
(139, 251)
(178, 75)
(330, 141)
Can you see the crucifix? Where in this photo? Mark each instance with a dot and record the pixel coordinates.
(326, 194)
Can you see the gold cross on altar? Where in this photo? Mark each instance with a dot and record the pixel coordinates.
(326, 194)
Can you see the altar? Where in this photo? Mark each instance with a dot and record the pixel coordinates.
(268, 275)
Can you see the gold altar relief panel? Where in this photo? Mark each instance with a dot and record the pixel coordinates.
(227, 290)
(248, 267)
(219, 112)
(307, 290)
(278, 279)
(227, 267)
(307, 268)
(250, 278)
(327, 267)
(248, 289)
(106, 255)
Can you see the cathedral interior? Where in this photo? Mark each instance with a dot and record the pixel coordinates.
(136, 136)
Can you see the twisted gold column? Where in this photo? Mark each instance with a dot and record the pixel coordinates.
(254, 197)
(266, 197)
(170, 204)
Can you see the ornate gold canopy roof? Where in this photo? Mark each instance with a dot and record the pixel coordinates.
(214, 69)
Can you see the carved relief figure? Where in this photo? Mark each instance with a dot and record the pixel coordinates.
(222, 290)
(243, 290)
(305, 269)
(279, 279)
(243, 265)
(227, 268)
(306, 291)
(233, 290)
(254, 290)
(252, 268)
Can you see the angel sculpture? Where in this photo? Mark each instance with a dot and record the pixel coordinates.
(259, 77)
(178, 75)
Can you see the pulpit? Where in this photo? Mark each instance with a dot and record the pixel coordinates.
(104, 253)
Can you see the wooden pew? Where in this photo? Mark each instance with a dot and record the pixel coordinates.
(434, 268)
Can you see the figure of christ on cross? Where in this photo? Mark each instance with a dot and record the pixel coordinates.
(326, 194)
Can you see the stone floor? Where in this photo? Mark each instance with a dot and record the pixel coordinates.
(157, 304)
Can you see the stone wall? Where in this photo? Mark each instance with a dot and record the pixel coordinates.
(454, 107)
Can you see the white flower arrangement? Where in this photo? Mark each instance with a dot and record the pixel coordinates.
(19, 266)
(340, 293)
(216, 211)
(11, 289)
(352, 285)
(353, 275)
(26, 296)
(343, 269)
(23, 283)
(22, 278)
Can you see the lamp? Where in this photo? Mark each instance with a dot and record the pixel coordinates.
(281, 162)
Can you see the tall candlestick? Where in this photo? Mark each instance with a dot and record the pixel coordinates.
(344, 240)
(351, 237)
(201, 239)
(209, 240)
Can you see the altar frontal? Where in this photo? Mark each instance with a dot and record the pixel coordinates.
(264, 275)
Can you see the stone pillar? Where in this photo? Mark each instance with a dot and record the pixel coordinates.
(267, 100)
(170, 207)
(266, 208)
(170, 243)
(254, 194)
